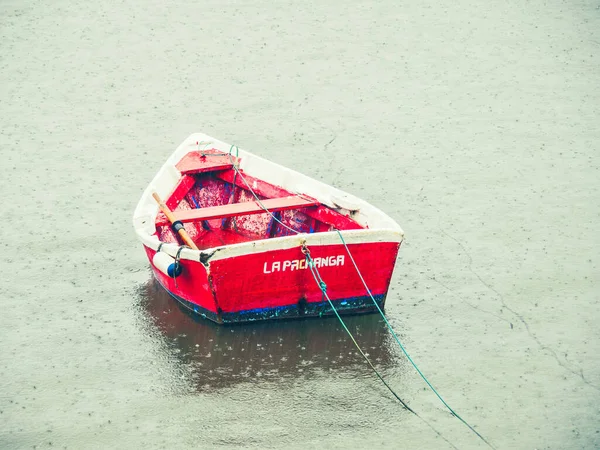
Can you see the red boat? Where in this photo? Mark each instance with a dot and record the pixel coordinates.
(237, 238)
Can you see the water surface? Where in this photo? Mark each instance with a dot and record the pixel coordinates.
(475, 126)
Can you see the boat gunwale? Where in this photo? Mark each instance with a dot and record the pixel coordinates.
(351, 237)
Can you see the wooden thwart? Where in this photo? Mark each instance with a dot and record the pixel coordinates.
(320, 213)
(237, 209)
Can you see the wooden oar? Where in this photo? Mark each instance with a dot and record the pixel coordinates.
(176, 224)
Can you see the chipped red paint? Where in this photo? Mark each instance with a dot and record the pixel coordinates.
(209, 202)
(267, 190)
(261, 187)
(337, 220)
(209, 192)
(181, 189)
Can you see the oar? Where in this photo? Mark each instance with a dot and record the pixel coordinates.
(175, 224)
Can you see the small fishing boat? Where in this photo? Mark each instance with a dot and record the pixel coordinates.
(236, 238)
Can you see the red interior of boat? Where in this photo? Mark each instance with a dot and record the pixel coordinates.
(217, 208)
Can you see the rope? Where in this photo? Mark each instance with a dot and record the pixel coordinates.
(235, 167)
(402, 347)
(317, 276)
(206, 144)
(323, 288)
(234, 185)
(177, 263)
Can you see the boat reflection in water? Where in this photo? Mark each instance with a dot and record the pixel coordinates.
(219, 356)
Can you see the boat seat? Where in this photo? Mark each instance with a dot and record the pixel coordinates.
(237, 209)
(205, 161)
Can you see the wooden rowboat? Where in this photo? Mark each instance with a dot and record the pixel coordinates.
(236, 238)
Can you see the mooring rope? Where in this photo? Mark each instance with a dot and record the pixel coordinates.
(317, 276)
(402, 346)
(323, 288)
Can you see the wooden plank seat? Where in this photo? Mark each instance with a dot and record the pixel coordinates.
(238, 209)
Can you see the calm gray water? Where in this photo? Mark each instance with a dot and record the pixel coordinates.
(475, 125)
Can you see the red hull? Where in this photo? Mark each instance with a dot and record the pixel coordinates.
(278, 284)
(228, 242)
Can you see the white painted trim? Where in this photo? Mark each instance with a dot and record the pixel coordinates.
(282, 243)
(381, 228)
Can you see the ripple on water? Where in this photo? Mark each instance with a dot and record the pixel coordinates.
(221, 356)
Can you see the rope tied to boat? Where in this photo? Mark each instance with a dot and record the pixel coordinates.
(323, 287)
(203, 151)
(313, 268)
(177, 263)
(258, 200)
(234, 185)
(389, 326)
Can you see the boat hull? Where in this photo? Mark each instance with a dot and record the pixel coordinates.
(230, 239)
(278, 284)
(354, 306)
